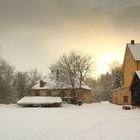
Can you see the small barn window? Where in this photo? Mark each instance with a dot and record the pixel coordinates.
(62, 93)
(49, 92)
(36, 92)
(125, 99)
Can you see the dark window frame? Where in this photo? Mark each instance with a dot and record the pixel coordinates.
(125, 99)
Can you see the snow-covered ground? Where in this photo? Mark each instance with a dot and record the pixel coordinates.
(97, 121)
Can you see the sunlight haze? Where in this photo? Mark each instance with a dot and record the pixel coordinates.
(34, 34)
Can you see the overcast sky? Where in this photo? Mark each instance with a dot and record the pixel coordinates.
(34, 33)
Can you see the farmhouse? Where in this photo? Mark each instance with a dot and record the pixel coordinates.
(55, 89)
(131, 64)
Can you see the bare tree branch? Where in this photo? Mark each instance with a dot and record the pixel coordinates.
(73, 69)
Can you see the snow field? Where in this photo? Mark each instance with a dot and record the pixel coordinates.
(97, 121)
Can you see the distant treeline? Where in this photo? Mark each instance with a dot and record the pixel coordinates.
(14, 84)
(103, 86)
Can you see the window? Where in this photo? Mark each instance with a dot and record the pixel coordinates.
(125, 99)
(49, 92)
(62, 93)
(36, 92)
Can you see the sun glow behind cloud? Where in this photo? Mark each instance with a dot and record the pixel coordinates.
(41, 31)
(103, 64)
(102, 68)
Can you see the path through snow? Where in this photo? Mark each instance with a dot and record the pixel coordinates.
(95, 121)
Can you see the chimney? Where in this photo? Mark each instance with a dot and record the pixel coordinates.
(132, 42)
(41, 83)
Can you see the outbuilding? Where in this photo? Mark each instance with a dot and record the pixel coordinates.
(53, 88)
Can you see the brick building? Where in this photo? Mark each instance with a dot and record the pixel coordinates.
(131, 64)
(55, 89)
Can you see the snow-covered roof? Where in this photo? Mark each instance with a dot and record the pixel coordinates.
(48, 85)
(135, 50)
(138, 73)
(54, 84)
(39, 100)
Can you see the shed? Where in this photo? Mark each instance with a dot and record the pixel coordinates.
(38, 101)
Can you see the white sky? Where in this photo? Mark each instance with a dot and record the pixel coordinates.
(34, 34)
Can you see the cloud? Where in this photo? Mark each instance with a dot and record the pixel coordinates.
(128, 18)
(27, 18)
(52, 12)
(44, 29)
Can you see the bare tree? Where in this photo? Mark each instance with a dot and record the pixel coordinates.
(83, 65)
(20, 84)
(72, 69)
(14, 85)
(34, 76)
(23, 81)
(6, 80)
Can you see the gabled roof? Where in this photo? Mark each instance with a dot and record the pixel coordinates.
(54, 84)
(135, 76)
(49, 84)
(138, 74)
(135, 50)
